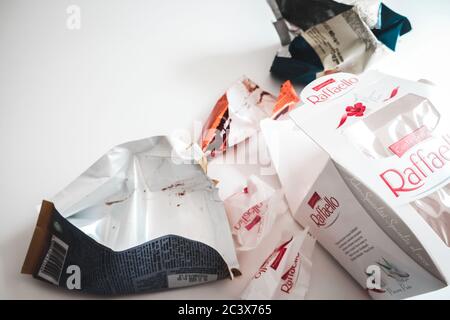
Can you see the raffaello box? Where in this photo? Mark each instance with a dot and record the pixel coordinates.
(365, 164)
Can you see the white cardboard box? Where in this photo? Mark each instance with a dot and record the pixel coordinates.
(330, 161)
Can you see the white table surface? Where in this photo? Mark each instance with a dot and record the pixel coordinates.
(137, 69)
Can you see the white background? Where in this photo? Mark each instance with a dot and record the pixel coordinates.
(137, 69)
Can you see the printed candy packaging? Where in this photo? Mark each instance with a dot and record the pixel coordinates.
(324, 36)
(144, 217)
(252, 204)
(252, 212)
(365, 164)
(285, 274)
(237, 114)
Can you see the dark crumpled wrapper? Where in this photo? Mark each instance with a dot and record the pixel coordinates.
(300, 62)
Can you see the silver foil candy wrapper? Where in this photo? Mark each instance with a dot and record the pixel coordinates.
(144, 217)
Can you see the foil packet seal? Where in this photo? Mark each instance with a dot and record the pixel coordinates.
(322, 37)
(252, 212)
(286, 273)
(140, 219)
(237, 114)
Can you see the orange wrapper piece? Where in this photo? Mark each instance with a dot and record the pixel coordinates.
(237, 114)
(287, 100)
(215, 120)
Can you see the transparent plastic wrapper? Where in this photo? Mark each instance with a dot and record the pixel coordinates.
(322, 36)
(142, 218)
(363, 179)
(252, 211)
(286, 273)
(400, 126)
(237, 114)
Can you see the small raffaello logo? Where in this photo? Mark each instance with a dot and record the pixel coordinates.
(289, 277)
(250, 218)
(325, 210)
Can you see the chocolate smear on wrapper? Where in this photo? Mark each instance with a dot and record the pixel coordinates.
(131, 224)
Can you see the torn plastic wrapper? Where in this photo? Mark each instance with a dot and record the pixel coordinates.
(141, 218)
(237, 114)
(252, 212)
(286, 273)
(335, 36)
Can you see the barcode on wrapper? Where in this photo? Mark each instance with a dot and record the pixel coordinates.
(53, 262)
